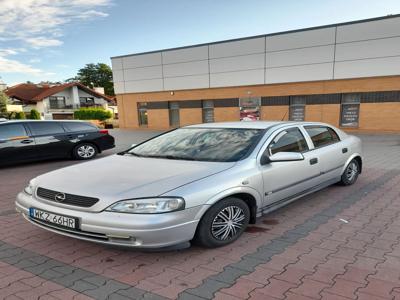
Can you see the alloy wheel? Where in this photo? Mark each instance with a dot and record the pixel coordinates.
(86, 151)
(351, 171)
(228, 223)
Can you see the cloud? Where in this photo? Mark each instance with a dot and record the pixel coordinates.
(40, 23)
(14, 66)
(35, 60)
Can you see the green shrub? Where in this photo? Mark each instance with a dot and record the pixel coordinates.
(92, 114)
(34, 115)
(20, 115)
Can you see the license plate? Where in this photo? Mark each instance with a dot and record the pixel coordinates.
(48, 217)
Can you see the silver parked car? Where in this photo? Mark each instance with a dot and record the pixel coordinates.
(204, 183)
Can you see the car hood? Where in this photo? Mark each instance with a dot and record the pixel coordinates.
(119, 177)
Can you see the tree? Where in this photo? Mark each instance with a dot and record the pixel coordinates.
(34, 115)
(3, 104)
(96, 75)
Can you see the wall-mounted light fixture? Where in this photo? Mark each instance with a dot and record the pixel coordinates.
(172, 93)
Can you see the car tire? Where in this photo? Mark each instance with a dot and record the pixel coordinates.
(231, 214)
(351, 173)
(85, 151)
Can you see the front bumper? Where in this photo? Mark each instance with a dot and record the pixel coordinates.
(121, 229)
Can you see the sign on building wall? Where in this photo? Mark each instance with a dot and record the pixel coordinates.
(297, 109)
(250, 108)
(350, 110)
(208, 111)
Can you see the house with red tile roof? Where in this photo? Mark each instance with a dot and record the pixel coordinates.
(56, 101)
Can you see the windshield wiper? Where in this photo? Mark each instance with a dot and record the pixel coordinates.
(170, 157)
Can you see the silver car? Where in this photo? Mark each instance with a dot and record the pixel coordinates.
(202, 183)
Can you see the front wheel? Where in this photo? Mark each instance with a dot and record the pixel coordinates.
(85, 151)
(223, 223)
(351, 173)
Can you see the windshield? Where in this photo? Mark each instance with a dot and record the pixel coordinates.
(202, 144)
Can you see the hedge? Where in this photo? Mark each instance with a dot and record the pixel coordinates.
(92, 114)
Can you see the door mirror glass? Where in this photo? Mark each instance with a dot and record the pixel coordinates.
(281, 156)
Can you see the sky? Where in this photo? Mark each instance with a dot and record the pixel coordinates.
(50, 40)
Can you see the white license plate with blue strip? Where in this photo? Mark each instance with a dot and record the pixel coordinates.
(51, 218)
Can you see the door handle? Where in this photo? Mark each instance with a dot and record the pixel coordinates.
(313, 161)
(344, 150)
(26, 141)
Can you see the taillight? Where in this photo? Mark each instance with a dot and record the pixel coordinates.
(103, 131)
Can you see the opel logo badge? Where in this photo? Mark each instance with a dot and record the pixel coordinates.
(60, 197)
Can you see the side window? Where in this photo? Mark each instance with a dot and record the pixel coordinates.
(78, 126)
(321, 135)
(289, 140)
(46, 128)
(10, 131)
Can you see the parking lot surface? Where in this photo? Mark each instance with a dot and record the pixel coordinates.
(339, 243)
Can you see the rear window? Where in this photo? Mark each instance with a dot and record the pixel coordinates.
(12, 131)
(46, 128)
(79, 126)
(321, 135)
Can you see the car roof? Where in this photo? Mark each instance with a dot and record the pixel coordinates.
(252, 124)
(29, 120)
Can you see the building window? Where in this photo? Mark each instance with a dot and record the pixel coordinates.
(174, 114)
(208, 111)
(350, 110)
(250, 108)
(297, 108)
(86, 101)
(142, 114)
(57, 102)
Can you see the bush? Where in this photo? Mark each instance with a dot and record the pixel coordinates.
(92, 114)
(19, 115)
(34, 115)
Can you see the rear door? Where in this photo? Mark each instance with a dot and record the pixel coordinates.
(16, 144)
(51, 139)
(283, 180)
(327, 146)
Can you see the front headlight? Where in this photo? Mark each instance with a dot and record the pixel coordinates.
(29, 189)
(148, 205)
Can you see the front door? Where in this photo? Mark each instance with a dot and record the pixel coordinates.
(285, 179)
(15, 143)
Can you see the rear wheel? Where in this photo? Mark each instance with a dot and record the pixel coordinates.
(351, 173)
(85, 151)
(223, 223)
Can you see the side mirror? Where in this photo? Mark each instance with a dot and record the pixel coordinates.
(281, 156)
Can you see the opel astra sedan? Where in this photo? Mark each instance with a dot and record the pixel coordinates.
(202, 183)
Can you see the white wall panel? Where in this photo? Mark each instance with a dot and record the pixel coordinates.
(316, 37)
(368, 30)
(187, 54)
(368, 49)
(241, 47)
(118, 75)
(119, 88)
(300, 73)
(143, 73)
(186, 82)
(142, 60)
(116, 63)
(367, 67)
(236, 63)
(143, 86)
(188, 68)
(237, 78)
(300, 56)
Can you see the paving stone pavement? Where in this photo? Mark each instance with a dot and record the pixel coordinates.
(339, 243)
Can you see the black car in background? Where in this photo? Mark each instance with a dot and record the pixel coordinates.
(29, 140)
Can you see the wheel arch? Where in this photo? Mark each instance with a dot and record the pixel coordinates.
(249, 195)
(355, 156)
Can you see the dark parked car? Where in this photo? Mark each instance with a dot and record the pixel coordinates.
(29, 140)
